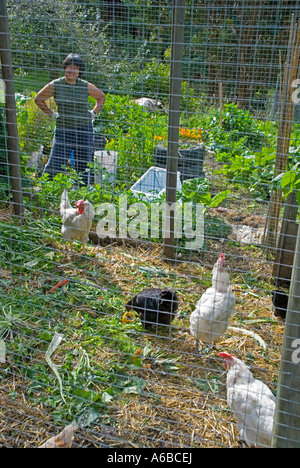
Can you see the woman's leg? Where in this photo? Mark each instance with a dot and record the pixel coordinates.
(60, 153)
(83, 154)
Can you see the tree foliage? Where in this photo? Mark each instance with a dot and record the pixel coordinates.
(237, 43)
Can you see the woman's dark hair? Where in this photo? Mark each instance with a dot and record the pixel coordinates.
(74, 59)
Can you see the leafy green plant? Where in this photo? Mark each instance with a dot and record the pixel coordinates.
(34, 126)
(253, 170)
(197, 191)
(156, 358)
(241, 125)
(289, 181)
(154, 80)
(9, 322)
(131, 132)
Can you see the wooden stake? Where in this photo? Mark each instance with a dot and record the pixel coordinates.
(221, 103)
(173, 125)
(11, 114)
(286, 115)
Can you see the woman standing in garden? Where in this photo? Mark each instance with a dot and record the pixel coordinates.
(74, 131)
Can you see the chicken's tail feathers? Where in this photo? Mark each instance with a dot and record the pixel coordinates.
(91, 210)
(64, 202)
(250, 333)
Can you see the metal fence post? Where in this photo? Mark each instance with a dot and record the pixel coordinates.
(287, 417)
(11, 116)
(174, 118)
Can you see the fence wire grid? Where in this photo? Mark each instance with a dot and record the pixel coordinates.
(98, 323)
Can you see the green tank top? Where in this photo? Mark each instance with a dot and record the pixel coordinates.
(72, 103)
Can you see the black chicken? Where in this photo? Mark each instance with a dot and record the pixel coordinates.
(155, 306)
(280, 302)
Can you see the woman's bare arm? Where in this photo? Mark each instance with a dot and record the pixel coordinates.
(97, 94)
(42, 96)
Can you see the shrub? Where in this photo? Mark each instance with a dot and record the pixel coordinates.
(130, 131)
(238, 125)
(153, 81)
(34, 126)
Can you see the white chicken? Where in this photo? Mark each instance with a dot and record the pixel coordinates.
(152, 105)
(76, 222)
(62, 440)
(251, 401)
(210, 318)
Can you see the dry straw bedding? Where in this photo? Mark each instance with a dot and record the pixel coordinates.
(172, 411)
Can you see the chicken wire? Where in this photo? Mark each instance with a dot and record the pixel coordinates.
(70, 351)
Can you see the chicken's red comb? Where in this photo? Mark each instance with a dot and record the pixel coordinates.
(79, 202)
(225, 355)
(222, 259)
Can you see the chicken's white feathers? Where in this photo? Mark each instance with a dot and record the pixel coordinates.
(251, 401)
(62, 440)
(76, 223)
(211, 316)
(151, 105)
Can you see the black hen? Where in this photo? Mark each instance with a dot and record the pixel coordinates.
(155, 306)
(280, 302)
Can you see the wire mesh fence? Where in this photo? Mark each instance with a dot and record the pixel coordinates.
(114, 313)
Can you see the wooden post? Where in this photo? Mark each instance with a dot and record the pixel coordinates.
(286, 116)
(11, 114)
(221, 103)
(173, 125)
(287, 416)
(284, 257)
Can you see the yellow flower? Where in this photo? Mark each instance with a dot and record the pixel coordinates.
(194, 134)
(129, 317)
(137, 354)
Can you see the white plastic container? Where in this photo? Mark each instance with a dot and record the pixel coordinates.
(153, 183)
(108, 160)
